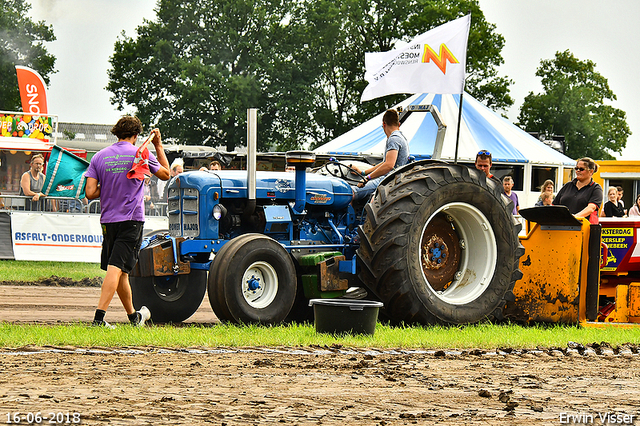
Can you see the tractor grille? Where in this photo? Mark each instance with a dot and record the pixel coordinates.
(184, 216)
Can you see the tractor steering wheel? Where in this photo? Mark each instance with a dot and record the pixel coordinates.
(343, 171)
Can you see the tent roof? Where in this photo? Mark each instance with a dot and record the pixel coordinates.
(481, 129)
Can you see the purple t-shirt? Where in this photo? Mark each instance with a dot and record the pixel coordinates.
(121, 198)
(514, 198)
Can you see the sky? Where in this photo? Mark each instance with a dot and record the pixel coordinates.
(86, 32)
(605, 32)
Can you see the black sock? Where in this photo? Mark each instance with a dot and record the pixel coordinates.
(99, 315)
(133, 317)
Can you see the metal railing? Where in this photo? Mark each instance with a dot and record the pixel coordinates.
(64, 205)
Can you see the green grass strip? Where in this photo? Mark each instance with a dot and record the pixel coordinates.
(484, 336)
(12, 270)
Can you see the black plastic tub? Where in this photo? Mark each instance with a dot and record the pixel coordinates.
(345, 316)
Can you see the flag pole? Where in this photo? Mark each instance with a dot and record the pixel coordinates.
(455, 158)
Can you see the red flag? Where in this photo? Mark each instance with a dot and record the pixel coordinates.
(140, 166)
(32, 91)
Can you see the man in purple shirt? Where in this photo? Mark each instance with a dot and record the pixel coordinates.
(122, 217)
(507, 185)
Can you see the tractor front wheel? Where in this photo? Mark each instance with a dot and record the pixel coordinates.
(252, 280)
(171, 298)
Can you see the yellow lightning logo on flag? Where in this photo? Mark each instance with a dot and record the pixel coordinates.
(441, 59)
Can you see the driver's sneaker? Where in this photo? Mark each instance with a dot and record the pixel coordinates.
(144, 315)
(103, 324)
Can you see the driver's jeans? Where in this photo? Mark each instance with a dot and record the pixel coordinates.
(366, 191)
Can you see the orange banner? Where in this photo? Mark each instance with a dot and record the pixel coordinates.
(32, 91)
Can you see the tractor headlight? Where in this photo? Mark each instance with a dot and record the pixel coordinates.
(219, 211)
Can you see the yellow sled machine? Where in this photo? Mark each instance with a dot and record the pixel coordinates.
(576, 272)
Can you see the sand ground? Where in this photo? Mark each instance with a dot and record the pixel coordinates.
(300, 386)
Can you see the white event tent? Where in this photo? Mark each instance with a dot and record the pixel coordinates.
(530, 160)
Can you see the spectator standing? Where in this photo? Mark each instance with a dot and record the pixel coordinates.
(620, 200)
(582, 196)
(176, 169)
(507, 185)
(31, 184)
(547, 187)
(546, 199)
(612, 208)
(214, 165)
(148, 198)
(122, 215)
(484, 163)
(161, 184)
(635, 210)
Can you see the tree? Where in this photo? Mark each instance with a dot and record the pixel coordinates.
(345, 30)
(21, 43)
(196, 70)
(572, 104)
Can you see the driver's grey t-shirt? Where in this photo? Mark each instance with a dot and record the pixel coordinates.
(398, 142)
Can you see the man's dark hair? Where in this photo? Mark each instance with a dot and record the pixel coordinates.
(126, 127)
(391, 118)
(483, 155)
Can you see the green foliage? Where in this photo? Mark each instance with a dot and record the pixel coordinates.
(69, 134)
(345, 31)
(21, 43)
(572, 104)
(195, 70)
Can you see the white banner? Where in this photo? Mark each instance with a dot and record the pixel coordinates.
(62, 237)
(434, 62)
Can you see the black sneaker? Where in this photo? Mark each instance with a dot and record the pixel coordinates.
(103, 324)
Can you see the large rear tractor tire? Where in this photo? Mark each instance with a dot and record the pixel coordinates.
(440, 245)
(173, 298)
(252, 280)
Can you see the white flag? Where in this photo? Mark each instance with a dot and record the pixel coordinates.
(434, 62)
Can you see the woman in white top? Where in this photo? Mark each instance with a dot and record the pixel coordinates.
(635, 210)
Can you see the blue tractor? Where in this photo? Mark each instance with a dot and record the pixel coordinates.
(437, 243)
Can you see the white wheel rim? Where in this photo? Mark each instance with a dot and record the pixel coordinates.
(478, 257)
(267, 287)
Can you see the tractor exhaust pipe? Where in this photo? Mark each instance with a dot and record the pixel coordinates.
(252, 148)
(300, 160)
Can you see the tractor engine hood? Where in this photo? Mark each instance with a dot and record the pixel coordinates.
(279, 186)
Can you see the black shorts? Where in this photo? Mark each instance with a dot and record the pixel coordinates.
(121, 244)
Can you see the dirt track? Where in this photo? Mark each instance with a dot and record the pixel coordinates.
(50, 305)
(302, 386)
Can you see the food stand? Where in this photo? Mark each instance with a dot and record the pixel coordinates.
(21, 136)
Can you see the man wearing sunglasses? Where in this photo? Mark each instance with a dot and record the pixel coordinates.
(483, 162)
(582, 196)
